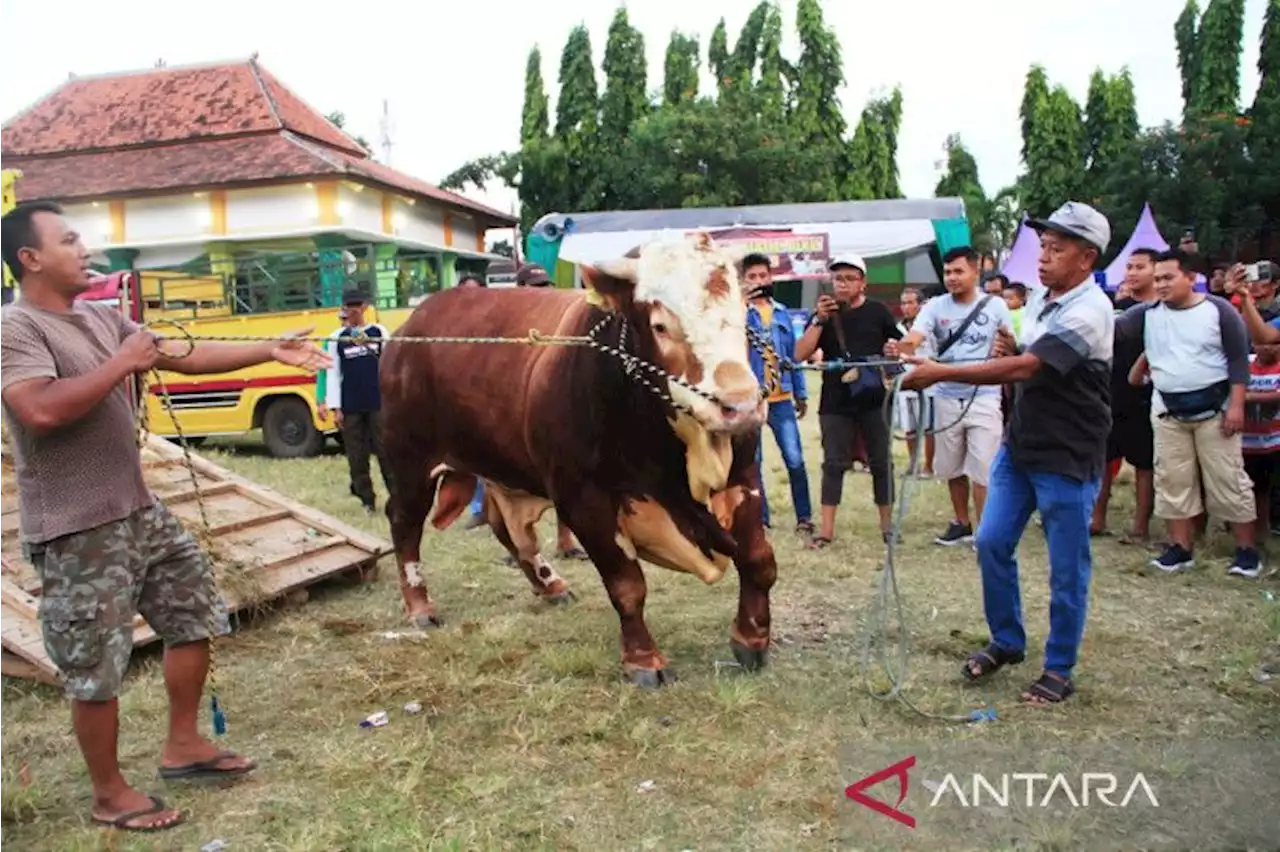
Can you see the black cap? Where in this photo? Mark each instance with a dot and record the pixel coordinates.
(355, 296)
(532, 275)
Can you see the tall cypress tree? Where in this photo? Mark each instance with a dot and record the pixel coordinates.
(817, 117)
(1218, 46)
(770, 93)
(718, 55)
(1264, 115)
(536, 117)
(1186, 32)
(577, 122)
(577, 103)
(1035, 94)
(680, 70)
(626, 77)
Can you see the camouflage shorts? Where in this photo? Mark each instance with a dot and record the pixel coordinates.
(95, 582)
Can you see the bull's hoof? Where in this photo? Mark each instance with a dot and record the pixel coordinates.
(751, 659)
(651, 678)
(425, 620)
(561, 598)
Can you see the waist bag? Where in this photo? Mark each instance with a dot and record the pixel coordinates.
(1194, 406)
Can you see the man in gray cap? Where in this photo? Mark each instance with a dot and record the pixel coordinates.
(1054, 452)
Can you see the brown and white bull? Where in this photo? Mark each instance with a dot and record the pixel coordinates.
(640, 463)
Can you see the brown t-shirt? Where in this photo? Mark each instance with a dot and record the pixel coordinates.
(88, 473)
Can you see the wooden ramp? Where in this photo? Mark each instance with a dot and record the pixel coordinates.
(264, 545)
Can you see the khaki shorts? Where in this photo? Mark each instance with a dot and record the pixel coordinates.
(1187, 452)
(94, 582)
(967, 438)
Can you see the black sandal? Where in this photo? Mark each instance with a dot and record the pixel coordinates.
(818, 542)
(1050, 688)
(157, 806)
(990, 660)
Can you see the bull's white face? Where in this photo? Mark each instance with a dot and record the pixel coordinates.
(688, 290)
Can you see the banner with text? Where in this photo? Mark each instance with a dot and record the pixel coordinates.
(791, 255)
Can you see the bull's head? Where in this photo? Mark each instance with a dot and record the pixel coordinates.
(683, 298)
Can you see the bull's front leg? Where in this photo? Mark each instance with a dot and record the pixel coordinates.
(407, 511)
(594, 521)
(757, 571)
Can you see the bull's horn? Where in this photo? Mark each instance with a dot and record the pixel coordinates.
(626, 268)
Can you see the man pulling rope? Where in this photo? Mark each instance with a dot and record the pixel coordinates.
(104, 547)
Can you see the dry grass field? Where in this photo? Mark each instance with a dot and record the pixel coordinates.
(528, 739)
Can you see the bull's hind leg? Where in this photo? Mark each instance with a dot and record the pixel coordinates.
(521, 541)
(757, 572)
(407, 511)
(595, 523)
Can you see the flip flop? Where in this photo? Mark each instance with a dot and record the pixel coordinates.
(157, 806)
(206, 770)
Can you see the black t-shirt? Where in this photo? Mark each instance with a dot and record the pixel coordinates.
(866, 330)
(1128, 402)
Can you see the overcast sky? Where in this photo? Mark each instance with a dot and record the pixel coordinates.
(453, 72)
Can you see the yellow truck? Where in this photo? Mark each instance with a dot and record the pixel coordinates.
(279, 400)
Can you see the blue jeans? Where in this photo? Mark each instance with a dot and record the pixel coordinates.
(1066, 507)
(477, 502)
(786, 431)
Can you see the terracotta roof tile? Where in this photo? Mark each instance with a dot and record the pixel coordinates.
(165, 105)
(302, 119)
(189, 128)
(215, 162)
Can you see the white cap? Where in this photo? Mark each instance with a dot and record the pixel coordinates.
(847, 259)
(1078, 220)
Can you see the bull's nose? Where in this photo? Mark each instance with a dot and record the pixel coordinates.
(735, 385)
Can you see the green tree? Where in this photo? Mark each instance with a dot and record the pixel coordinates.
(1111, 121)
(817, 118)
(873, 151)
(535, 118)
(577, 103)
(577, 123)
(1186, 31)
(1055, 153)
(680, 70)
(718, 55)
(1218, 45)
(961, 180)
(1035, 94)
(1264, 116)
(625, 98)
(770, 90)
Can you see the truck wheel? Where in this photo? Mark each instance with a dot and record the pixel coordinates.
(288, 431)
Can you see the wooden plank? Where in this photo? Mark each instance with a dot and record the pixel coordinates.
(316, 519)
(14, 666)
(250, 522)
(186, 493)
(284, 545)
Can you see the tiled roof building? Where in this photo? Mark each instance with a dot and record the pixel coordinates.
(161, 166)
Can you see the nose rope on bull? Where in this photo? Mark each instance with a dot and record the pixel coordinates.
(887, 603)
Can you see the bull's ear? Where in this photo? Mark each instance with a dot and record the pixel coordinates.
(611, 284)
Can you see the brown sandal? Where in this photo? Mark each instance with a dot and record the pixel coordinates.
(990, 660)
(1050, 688)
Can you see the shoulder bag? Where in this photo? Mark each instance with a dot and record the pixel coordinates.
(955, 336)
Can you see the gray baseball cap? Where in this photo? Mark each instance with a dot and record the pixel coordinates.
(1078, 220)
